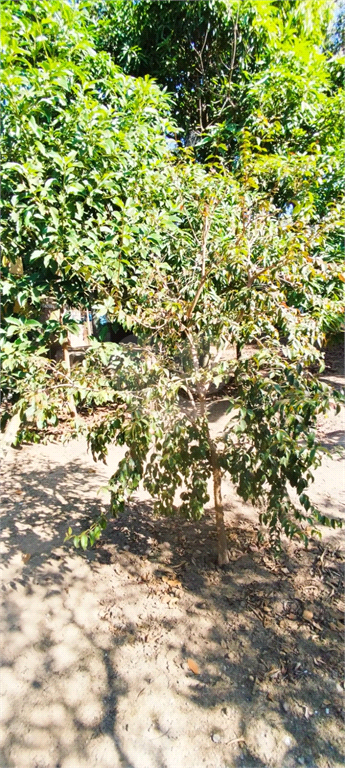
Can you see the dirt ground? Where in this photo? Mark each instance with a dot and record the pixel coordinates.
(142, 653)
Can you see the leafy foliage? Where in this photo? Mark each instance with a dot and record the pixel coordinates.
(77, 134)
(269, 70)
(238, 252)
(226, 61)
(227, 276)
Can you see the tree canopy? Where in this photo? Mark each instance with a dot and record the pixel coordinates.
(225, 60)
(77, 135)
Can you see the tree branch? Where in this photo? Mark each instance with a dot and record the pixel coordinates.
(204, 274)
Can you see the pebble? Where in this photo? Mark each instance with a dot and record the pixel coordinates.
(287, 741)
(216, 738)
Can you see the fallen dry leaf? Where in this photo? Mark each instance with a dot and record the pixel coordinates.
(193, 666)
(174, 583)
(25, 557)
(307, 615)
(334, 627)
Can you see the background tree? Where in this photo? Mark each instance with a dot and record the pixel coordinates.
(209, 54)
(77, 135)
(273, 69)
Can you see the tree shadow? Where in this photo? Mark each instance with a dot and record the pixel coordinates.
(96, 644)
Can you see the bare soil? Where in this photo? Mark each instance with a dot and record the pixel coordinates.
(141, 652)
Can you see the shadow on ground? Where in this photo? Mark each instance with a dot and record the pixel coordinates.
(142, 653)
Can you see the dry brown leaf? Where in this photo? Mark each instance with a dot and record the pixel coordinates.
(193, 666)
(307, 615)
(25, 557)
(273, 672)
(174, 583)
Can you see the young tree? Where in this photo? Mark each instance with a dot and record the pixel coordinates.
(225, 276)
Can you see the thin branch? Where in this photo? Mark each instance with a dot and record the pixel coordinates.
(205, 39)
(232, 65)
(233, 53)
(204, 274)
(200, 115)
(197, 295)
(205, 235)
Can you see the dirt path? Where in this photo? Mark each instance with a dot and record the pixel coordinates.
(96, 645)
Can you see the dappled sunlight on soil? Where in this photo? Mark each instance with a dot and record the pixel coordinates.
(99, 648)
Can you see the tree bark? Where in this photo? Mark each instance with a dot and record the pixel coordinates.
(223, 554)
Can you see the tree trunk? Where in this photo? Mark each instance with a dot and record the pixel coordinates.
(223, 554)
